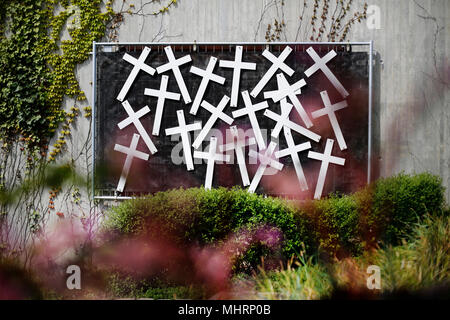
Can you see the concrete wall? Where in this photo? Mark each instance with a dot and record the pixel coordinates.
(412, 115)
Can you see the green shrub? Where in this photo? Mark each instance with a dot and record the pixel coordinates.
(399, 201)
(236, 211)
(127, 286)
(336, 224)
(339, 225)
(200, 217)
(178, 292)
(122, 286)
(172, 213)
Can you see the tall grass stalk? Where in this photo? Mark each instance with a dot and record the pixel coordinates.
(305, 281)
(420, 263)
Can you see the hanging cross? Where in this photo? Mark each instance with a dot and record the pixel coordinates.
(293, 150)
(326, 159)
(139, 64)
(237, 66)
(184, 130)
(216, 113)
(174, 65)
(330, 111)
(133, 118)
(284, 89)
(321, 63)
(266, 160)
(131, 153)
(162, 95)
(285, 111)
(290, 91)
(250, 110)
(277, 63)
(238, 145)
(211, 156)
(283, 120)
(207, 76)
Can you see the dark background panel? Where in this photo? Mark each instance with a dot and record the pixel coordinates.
(160, 173)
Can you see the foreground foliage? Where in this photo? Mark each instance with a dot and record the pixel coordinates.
(197, 244)
(338, 226)
(419, 267)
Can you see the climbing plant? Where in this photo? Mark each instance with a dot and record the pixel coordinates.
(41, 44)
(38, 66)
(319, 20)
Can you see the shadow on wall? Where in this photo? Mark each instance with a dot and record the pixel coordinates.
(376, 127)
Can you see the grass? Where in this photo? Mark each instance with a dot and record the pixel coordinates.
(304, 280)
(422, 263)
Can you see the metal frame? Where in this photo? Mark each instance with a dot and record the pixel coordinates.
(195, 44)
(93, 115)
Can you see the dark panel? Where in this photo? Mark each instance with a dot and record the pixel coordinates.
(160, 173)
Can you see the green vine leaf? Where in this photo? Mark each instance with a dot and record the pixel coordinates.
(38, 67)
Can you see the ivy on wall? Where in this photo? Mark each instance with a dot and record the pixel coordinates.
(38, 68)
(41, 44)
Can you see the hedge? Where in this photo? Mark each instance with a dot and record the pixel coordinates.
(399, 201)
(208, 217)
(380, 214)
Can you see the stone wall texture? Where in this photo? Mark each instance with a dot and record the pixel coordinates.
(411, 121)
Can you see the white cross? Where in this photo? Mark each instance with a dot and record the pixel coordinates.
(330, 111)
(266, 160)
(183, 130)
(293, 150)
(139, 64)
(283, 121)
(216, 113)
(321, 63)
(326, 159)
(284, 89)
(277, 63)
(162, 95)
(238, 145)
(211, 156)
(250, 110)
(237, 65)
(290, 91)
(133, 118)
(207, 76)
(175, 64)
(131, 153)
